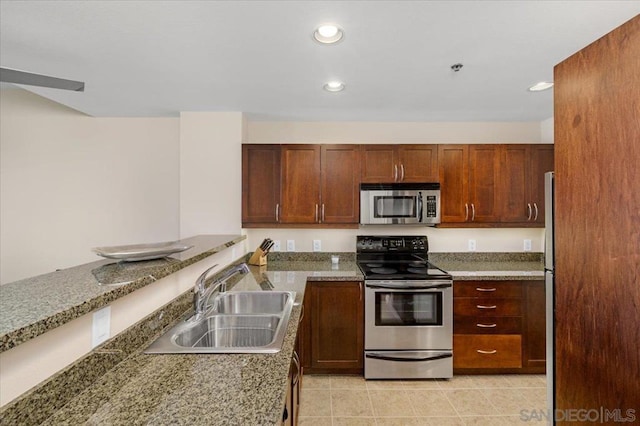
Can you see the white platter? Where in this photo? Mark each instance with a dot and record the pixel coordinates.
(137, 252)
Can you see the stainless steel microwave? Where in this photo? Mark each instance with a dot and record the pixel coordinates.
(400, 204)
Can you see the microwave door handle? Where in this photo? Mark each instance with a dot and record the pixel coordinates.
(420, 205)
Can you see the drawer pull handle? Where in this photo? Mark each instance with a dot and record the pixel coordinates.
(486, 307)
(485, 289)
(486, 325)
(480, 351)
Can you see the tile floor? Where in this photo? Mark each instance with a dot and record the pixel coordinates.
(463, 400)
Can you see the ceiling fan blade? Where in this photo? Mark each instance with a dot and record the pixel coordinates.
(9, 75)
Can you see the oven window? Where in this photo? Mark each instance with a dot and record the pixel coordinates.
(408, 308)
(394, 206)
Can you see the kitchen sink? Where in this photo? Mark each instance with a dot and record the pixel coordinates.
(244, 302)
(238, 322)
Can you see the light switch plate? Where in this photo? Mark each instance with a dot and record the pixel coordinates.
(527, 245)
(317, 245)
(472, 245)
(276, 245)
(101, 326)
(291, 245)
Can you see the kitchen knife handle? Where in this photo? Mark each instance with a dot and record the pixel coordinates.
(529, 210)
(277, 212)
(535, 206)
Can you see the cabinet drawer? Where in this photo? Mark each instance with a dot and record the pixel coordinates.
(481, 351)
(500, 289)
(491, 307)
(487, 325)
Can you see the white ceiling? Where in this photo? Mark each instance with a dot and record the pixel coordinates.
(157, 58)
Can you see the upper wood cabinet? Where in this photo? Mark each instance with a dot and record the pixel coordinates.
(260, 183)
(399, 163)
(300, 184)
(522, 193)
(320, 184)
(494, 184)
(468, 179)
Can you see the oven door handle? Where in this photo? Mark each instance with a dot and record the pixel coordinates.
(405, 359)
(409, 287)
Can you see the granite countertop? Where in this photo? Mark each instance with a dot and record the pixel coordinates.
(217, 389)
(491, 266)
(33, 306)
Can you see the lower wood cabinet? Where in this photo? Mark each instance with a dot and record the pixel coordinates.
(499, 326)
(333, 328)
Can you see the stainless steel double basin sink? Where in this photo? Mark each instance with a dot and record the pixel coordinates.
(238, 322)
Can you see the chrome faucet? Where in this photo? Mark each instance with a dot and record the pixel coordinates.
(201, 294)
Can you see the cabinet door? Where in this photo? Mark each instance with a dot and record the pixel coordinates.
(484, 178)
(541, 161)
(300, 184)
(340, 184)
(260, 183)
(453, 164)
(514, 193)
(379, 163)
(534, 344)
(418, 163)
(336, 327)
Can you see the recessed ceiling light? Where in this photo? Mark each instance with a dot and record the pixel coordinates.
(334, 86)
(543, 85)
(328, 33)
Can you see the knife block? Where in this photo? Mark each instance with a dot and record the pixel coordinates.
(258, 258)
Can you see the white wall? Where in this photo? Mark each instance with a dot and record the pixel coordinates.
(546, 130)
(440, 240)
(70, 182)
(210, 173)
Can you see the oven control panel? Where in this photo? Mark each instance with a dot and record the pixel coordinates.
(407, 243)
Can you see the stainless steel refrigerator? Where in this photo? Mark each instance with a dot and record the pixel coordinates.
(549, 292)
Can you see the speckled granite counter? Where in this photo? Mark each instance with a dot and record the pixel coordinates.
(491, 266)
(233, 389)
(33, 306)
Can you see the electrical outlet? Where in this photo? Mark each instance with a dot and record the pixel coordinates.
(276, 245)
(101, 326)
(472, 245)
(527, 245)
(291, 245)
(317, 245)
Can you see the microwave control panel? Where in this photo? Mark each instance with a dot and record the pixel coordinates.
(431, 206)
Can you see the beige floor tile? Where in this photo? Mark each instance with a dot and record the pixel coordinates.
(508, 401)
(391, 403)
(537, 397)
(354, 421)
(420, 384)
(316, 382)
(397, 421)
(314, 421)
(384, 384)
(470, 402)
(431, 403)
(348, 382)
(439, 421)
(492, 381)
(527, 380)
(350, 403)
(315, 402)
(487, 421)
(457, 382)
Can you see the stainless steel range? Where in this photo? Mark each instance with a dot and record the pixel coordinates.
(408, 309)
